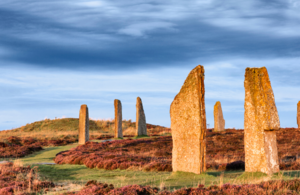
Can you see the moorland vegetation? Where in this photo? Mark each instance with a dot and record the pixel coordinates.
(134, 159)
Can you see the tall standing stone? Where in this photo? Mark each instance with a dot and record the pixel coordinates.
(118, 119)
(141, 126)
(188, 124)
(260, 122)
(83, 124)
(298, 114)
(218, 116)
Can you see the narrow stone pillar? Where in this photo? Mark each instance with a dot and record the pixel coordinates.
(260, 122)
(218, 116)
(298, 114)
(188, 124)
(83, 124)
(141, 126)
(118, 119)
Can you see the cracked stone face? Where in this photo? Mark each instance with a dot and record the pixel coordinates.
(83, 125)
(260, 123)
(218, 117)
(188, 124)
(141, 126)
(118, 119)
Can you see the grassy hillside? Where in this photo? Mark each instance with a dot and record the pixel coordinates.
(59, 128)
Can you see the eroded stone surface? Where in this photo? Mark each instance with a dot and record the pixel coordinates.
(260, 123)
(141, 126)
(188, 124)
(118, 119)
(83, 124)
(218, 117)
(298, 114)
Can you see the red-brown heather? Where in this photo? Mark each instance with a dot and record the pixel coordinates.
(225, 151)
(264, 188)
(21, 180)
(15, 147)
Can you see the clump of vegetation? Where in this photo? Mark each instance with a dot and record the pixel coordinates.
(16, 179)
(264, 188)
(16, 147)
(143, 154)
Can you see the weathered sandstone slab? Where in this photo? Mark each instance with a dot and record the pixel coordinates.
(141, 126)
(218, 116)
(118, 119)
(188, 124)
(298, 114)
(260, 123)
(83, 124)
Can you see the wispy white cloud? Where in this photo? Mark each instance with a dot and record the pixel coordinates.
(141, 28)
(91, 3)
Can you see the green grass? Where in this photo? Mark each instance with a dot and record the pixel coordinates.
(46, 155)
(80, 174)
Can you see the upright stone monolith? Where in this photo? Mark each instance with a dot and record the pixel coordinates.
(218, 116)
(141, 126)
(298, 114)
(261, 122)
(118, 119)
(83, 124)
(188, 124)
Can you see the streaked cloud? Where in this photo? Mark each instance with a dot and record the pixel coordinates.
(56, 55)
(141, 28)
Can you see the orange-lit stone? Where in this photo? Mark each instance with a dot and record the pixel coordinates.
(141, 126)
(83, 125)
(188, 124)
(218, 117)
(260, 123)
(118, 119)
(298, 114)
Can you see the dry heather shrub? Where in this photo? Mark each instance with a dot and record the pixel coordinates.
(129, 131)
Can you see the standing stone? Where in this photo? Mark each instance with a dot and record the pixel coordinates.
(218, 116)
(260, 122)
(188, 124)
(141, 126)
(118, 119)
(298, 114)
(83, 124)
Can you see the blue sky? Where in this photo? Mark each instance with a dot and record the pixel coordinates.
(56, 55)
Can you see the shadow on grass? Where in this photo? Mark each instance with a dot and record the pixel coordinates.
(227, 174)
(141, 136)
(294, 173)
(60, 172)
